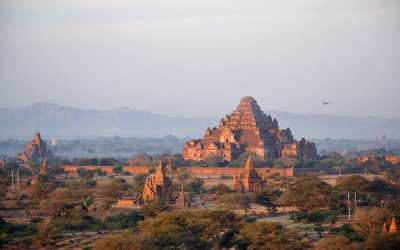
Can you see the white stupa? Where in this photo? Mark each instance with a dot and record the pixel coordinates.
(53, 142)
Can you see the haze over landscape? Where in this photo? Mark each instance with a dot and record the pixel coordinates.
(198, 58)
(204, 125)
(69, 123)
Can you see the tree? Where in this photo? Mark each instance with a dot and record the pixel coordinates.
(337, 242)
(369, 220)
(120, 184)
(113, 190)
(47, 234)
(268, 198)
(235, 201)
(189, 230)
(40, 191)
(122, 241)
(182, 175)
(287, 162)
(85, 174)
(154, 207)
(331, 159)
(99, 172)
(386, 241)
(176, 230)
(380, 188)
(279, 182)
(110, 161)
(117, 169)
(123, 221)
(392, 175)
(394, 205)
(196, 185)
(267, 235)
(353, 183)
(87, 200)
(215, 161)
(138, 184)
(3, 188)
(220, 189)
(309, 194)
(356, 183)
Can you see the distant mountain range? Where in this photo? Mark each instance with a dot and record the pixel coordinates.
(65, 122)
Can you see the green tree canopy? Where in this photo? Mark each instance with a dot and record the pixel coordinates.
(267, 235)
(117, 169)
(196, 185)
(85, 173)
(353, 183)
(310, 194)
(235, 201)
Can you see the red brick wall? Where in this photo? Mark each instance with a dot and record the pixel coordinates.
(236, 171)
(108, 169)
(125, 202)
(193, 170)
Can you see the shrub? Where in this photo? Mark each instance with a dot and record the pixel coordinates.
(317, 216)
(123, 221)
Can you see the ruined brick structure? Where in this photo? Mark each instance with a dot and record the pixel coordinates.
(182, 200)
(36, 149)
(170, 167)
(159, 186)
(41, 174)
(394, 159)
(249, 180)
(248, 129)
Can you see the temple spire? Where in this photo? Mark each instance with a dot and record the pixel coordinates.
(384, 229)
(393, 227)
(249, 164)
(43, 170)
(160, 173)
(37, 135)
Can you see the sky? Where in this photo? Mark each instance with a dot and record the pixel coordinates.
(198, 58)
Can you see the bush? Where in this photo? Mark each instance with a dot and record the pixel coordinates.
(87, 223)
(317, 216)
(23, 197)
(250, 219)
(117, 169)
(225, 176)
(348, 231)
(85, 174)
(123, 221)
(37, 220)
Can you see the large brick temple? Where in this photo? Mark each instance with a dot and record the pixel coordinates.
(248, 129)
(36, 149)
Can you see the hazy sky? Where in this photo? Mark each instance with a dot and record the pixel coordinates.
(198, 58)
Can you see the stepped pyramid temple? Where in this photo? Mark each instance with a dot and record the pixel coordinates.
(158, 186)
(248, 180)
(36, 149)
(248, 129)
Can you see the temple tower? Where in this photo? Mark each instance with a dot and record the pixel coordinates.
(158, 186)
(249, 180)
